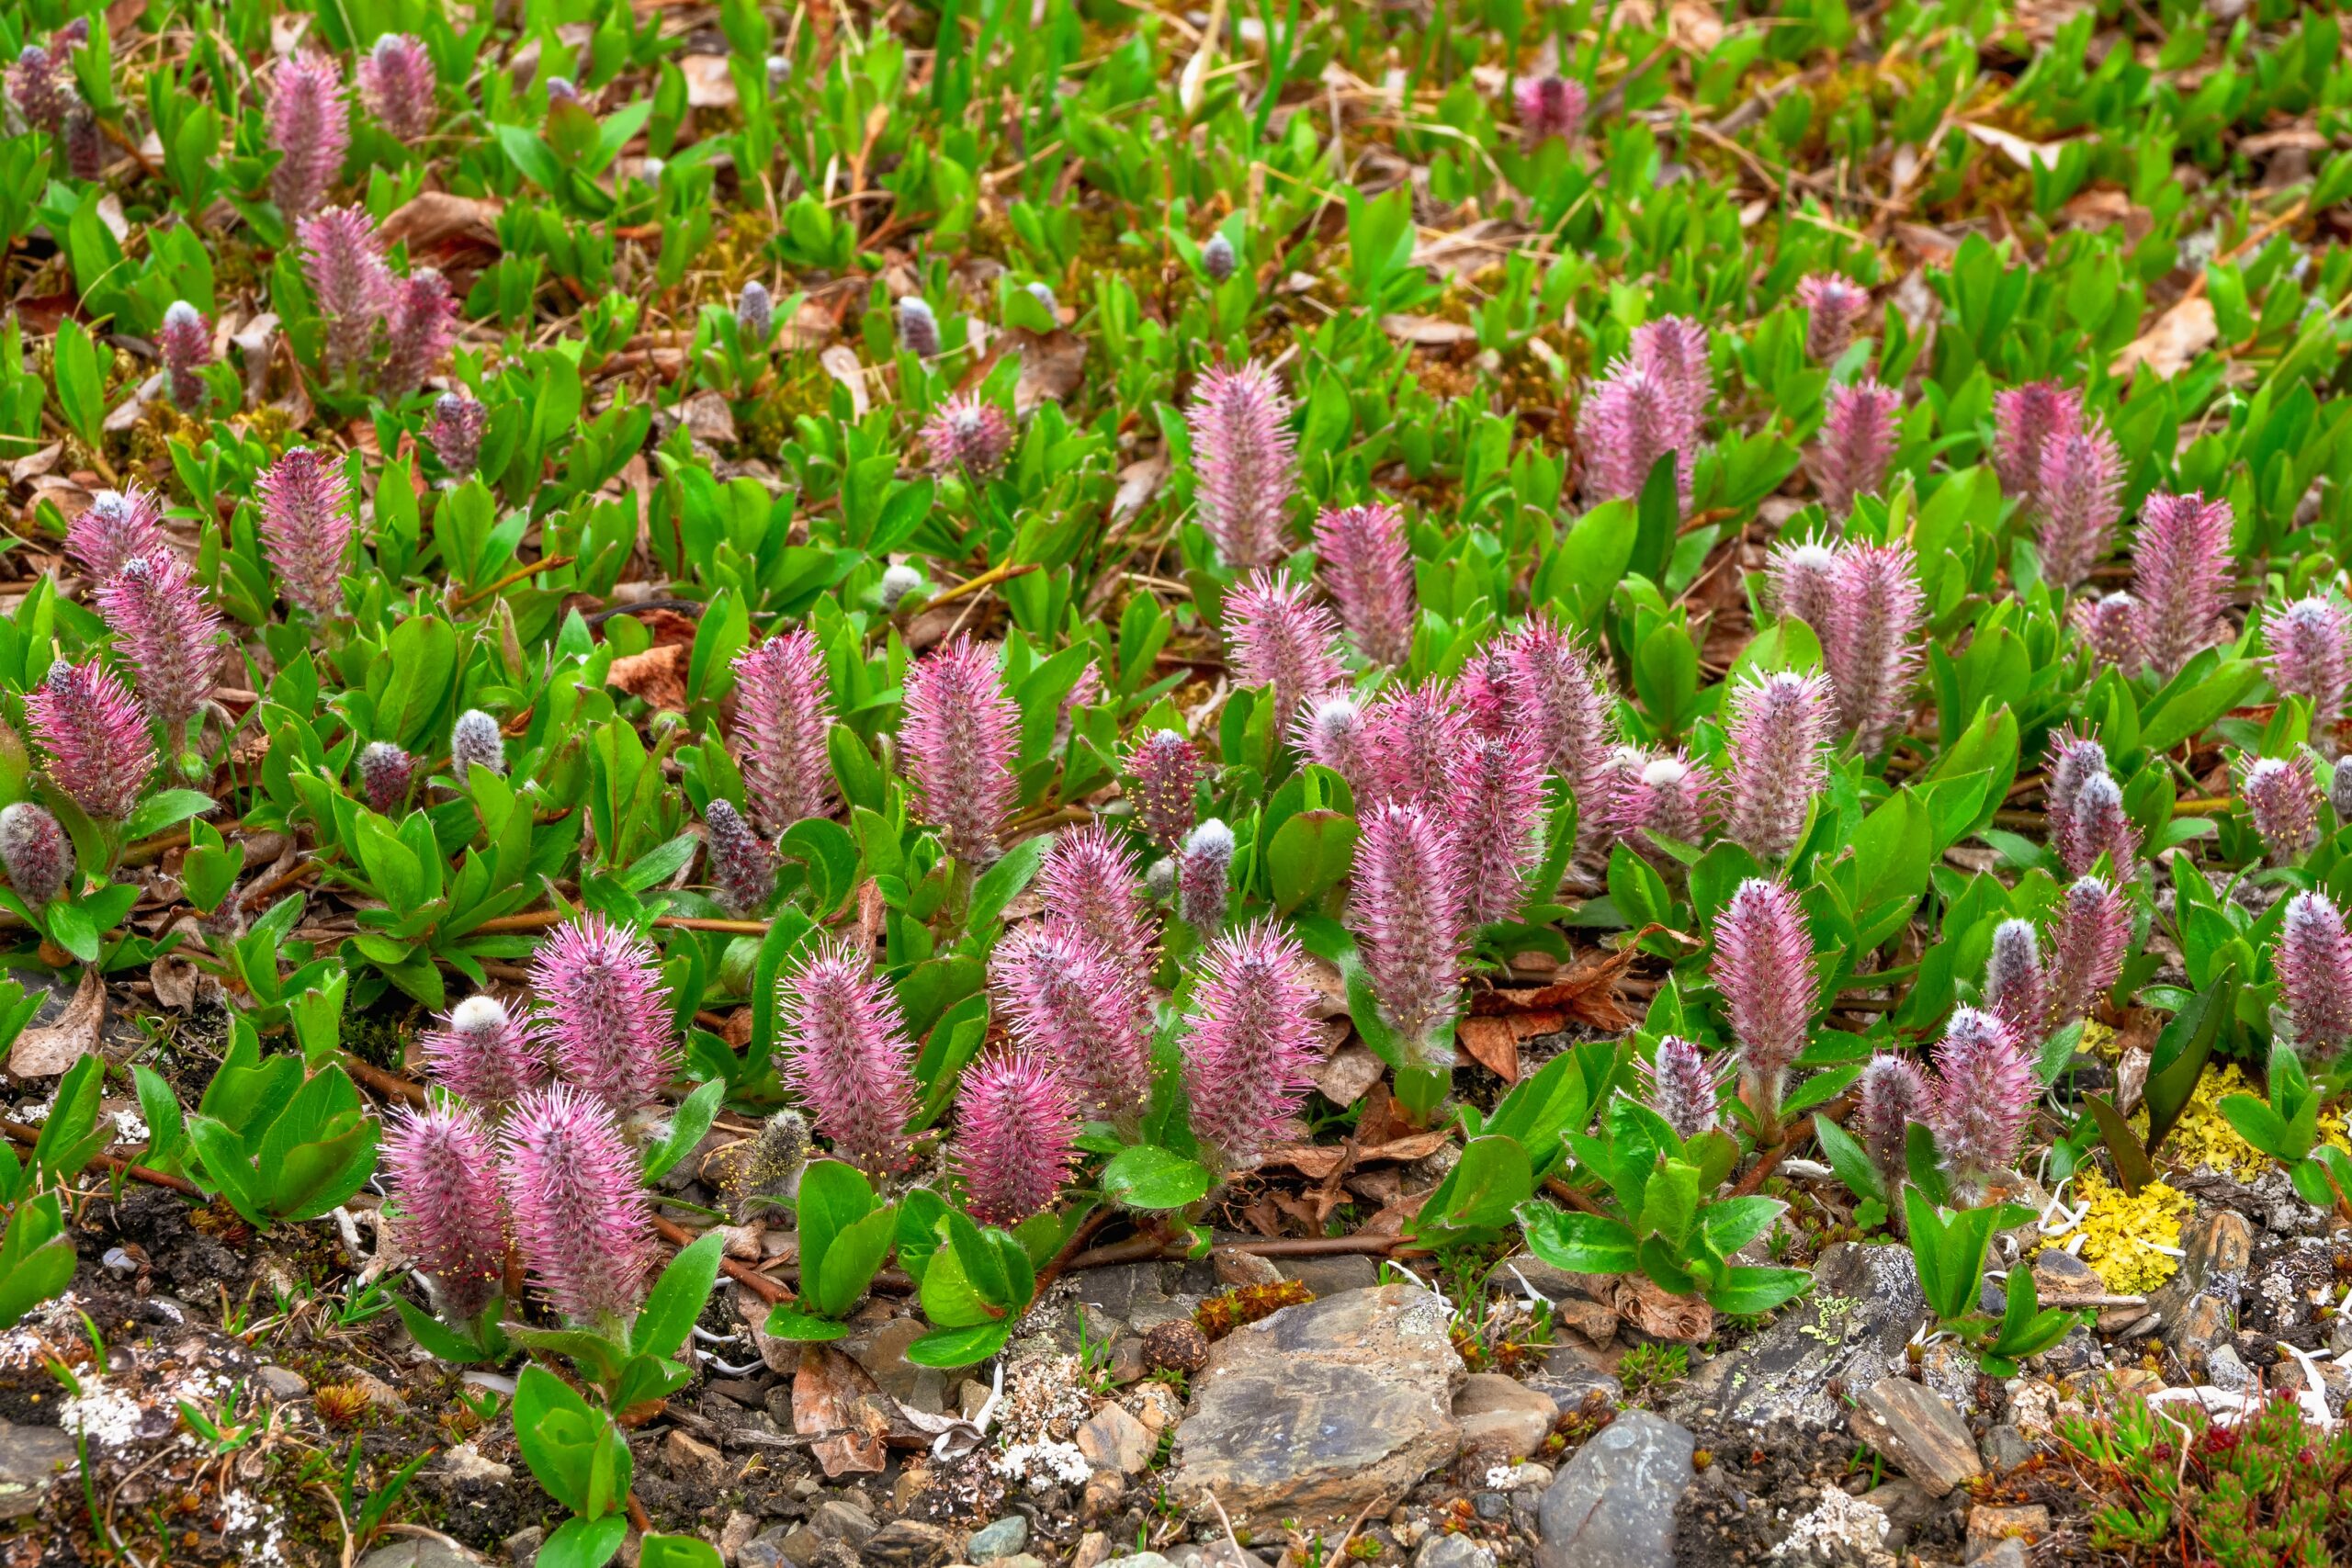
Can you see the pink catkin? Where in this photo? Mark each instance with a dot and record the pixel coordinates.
(1243, 450)
(1857, 444)
(116, 526)
(582, 1220)
(2281, 797)
(2094, 929)
(1253, 1048)
(2080, 493)
(1684, 1087)
(1628, 423)
(1894, 1094)
(1166, 768)
(2310, 657)
(1369, 572)
(1549, 106)
(1069, 999)
(309, 125)
(343, 263)
(1800, 579)
(782, 715)
(743, 867)
(420, 325)
(100, 752)
(397, 83)
(2110, 625)
(386, 772)
(35, 853)
(1330, 732)
(845, 1051)
(2017, 988)
(169, 633)
(1872, 642)
(2024, 420)
(1834, 305)
(1279, 640)
(1779, 733)
(1560, 697)
(603, 1013)
(959, 731)
(306, 528)
(2180, 566)
(1089, 881)
(1411, 736)
(185, 342)
(1985, 1094)
(1660, 793)
(442, 1168)
(1016, 1136)
(1410, 911)
(2314, 963)
(1495, 795)
(968, 432)
(1764, 970)
(483, 1054)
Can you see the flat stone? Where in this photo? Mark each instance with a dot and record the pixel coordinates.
(422, 1551)
(2058, 1272)
(281, 1382)
(2198, 1302)
(1138, 1560)
(2005, 1448)
(1501, 1415)
(1094, 1549)
(1112, 1440)
(1321, 1412)
(837, 1520)
(1906, 1506)
(883, 1353)
(523, 1546)
(1850, 1330)
(1330, 1275)
(1613, 1506)
(1921, 1435)
(1989, 1525)
(1214, 1554)
(1000, 1539)
(2225, 1368)
(1452, 1552)
(1571, 1375)
(2008, 1553)
(691, 1458)
(767, 1548)
(30, 1458)
(737, 1533)
(908, 1543)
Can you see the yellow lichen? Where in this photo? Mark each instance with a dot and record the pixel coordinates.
(2204, 1139)
(2122, 1232)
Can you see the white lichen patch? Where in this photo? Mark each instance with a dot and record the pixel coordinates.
(1047, 1461)
(1841, 1523)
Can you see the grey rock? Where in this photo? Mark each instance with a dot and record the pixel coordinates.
(1612, 1505)
(1001, 1538)
(2056, 1272)
(1570, 1375)
(1322, 1411)
(1330, 1275)
(883, 1353)
(2010, 1553)
(837, 1520)
(30, 1458)
(1214, 1554)
(1906, 1506)
(2198, 1302)
(1852, 1328)
(2005, 1448)
(422, 1551)
(1924, 1439)
(1492, 1506)
(767, 1548)
(523, 1546)
(908, 1543)
(2225, 1368)
(1452, 1552)
(1502, 1417)
(1138, 1560)
(1112, 1440)
(281, 1382)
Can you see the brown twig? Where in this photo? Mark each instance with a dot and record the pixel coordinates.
(1772, 1160)
(389, 1084)
(545, 563)
(988, 578)
(759, 1285)
(28, 1136)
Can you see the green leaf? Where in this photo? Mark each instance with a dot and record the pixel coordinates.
(1482, 1192)
(165, 808)
(584, 1543)
(1582, 1244)
(688, 1126)
(788, 1322)
(948, 1349)
(2181, 1050)
(1309, 855)
(1146, 1175)
(1004, 880)
(850, 1264)
(1850, 1160)
(678, 1551)
(1746, 1291)
(677, 1298)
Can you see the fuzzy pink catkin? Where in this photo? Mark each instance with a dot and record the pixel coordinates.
(1279, 638)
(1166, 768)
(2100, 826)
(1683, 1087)
(114, 526)
(1779, 733)
(484, 1054)
(1410, 911)
(2024, 420)
(1674, 350)
(1242, 451)
(475, 742)
(100, 752)
(783, 713)
(959, 731)
(2110, 625)
(743, 867)
(1066, 998)
(306, 528)
(1549, 105)
(2281, 797)
(1016, 1136)
(1872, 642)
(455, 431)
(603, 1013)
(343, 265)
(2180, 566)
(1857, 444)
(419, 323)
(582, 1220)
(1203, 874)
(845, 1053)
(441, 1165)
(1559, 698)
(1368, 571)
(1660, 793)
(1985, 1094)
(1483, 694)
(1254, 1046)
(309, 125)
(41, 86)
(966, 431)
(1412, 734)
(185, 342)
(170, 634)
(1833, 304)
(35, 853)
(397, 83)
(2314, 962)
(1800, 577)
(2016, 989)
(1764, 969)
(2080, 493)
(2310, 657)
(385, 773)
(2094, 928)
(1629, 421)
(1894, 1094)
(1495, 801)
(1089, 881)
